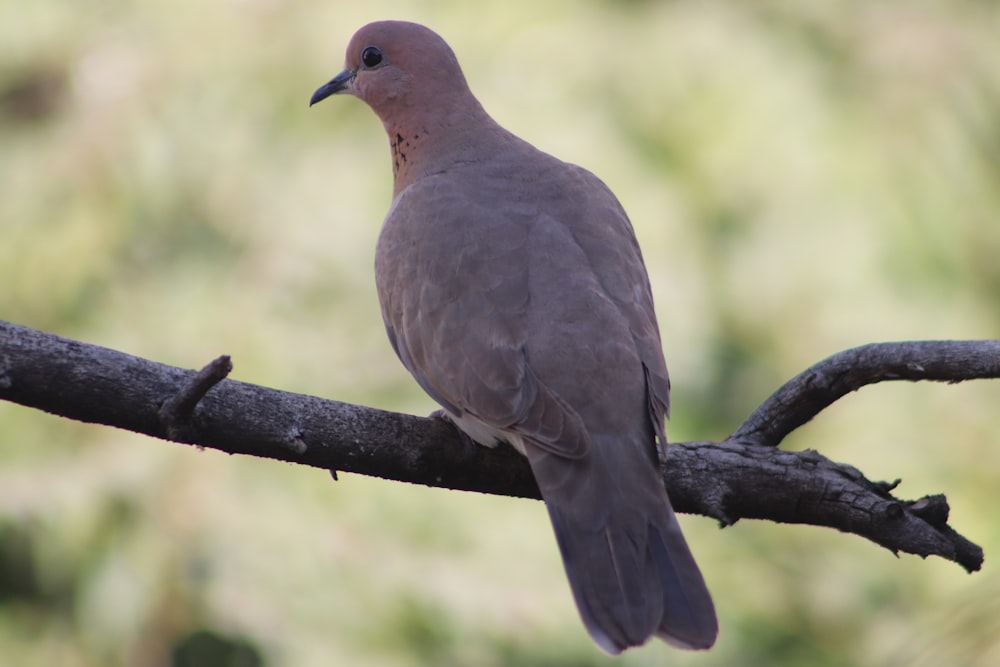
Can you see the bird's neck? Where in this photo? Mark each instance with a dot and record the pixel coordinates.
(408, 145)
(433, 143)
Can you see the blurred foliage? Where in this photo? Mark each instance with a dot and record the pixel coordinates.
(803, 177)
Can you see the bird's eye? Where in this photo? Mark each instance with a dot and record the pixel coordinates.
(371, 56)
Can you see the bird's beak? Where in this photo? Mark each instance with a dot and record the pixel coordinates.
(335, 85)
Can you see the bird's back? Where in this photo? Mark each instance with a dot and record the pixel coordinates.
(535, 322)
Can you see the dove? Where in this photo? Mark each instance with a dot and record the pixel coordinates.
(513, 290)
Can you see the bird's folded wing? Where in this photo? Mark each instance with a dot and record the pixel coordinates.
(456, 312)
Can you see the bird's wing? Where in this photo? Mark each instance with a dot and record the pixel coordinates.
(605, 235)
(453, 282)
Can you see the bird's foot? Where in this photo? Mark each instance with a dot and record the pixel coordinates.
(469, 446)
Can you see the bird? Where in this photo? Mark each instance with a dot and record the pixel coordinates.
(513, 289)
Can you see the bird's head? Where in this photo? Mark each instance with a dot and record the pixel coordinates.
(397, 65)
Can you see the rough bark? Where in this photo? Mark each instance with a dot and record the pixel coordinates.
(744, 476)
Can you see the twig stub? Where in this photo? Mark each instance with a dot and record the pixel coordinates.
(177, 412)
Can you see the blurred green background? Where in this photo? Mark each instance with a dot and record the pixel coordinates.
(803, 177)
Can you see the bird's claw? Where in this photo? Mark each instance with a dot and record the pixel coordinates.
(469, 446)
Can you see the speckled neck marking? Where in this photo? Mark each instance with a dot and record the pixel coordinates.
(403, 149)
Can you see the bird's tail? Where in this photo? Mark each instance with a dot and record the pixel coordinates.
(629, 567)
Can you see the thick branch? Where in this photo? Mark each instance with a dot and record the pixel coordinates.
(728, 481)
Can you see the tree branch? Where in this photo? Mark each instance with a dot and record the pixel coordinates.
(734, 479)
(808, 393)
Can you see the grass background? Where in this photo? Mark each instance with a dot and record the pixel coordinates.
(803, 177)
